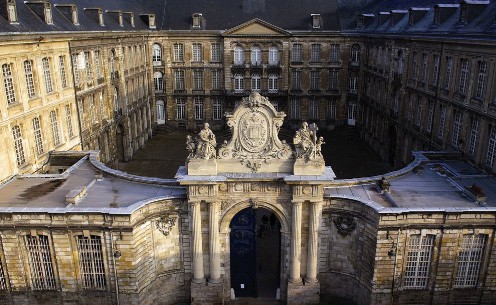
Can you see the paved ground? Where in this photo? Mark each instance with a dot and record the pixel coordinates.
(344, 151)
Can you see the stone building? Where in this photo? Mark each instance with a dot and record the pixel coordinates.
(249, 223)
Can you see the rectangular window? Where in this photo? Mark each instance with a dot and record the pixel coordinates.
(457, 125)
(198, 104)
(424, 67)
(180, 108)
(217, 109)
(8, 82)
(331, 110)
(19, 149)
(414, 65)
(179, 79)
(481, 80)
(55, 128)
(491, 147)
(353, 84)
(469, 260)
(216, 55)
(313, 110)
(198, 80)
(474, 134)
(216, 80)
(38, 139)
(335, 53)
(314, 80)
(68, 117)
(87, 65)
(333, 79)
(91, 264)
(418, 119)
(75, 67)
(442, 122)
(40, 262)
(28, 71)
(273, 83)
(315, 53)
(435, 71)
(197, 52)
(98, 68)
(418, 261)
(449, 72)
(47, 74)
(410, 108)
(430, 116)
(63, 76)
(294, 108)
(464, 68)
(296, 80)
(296, 53)
(178, 52)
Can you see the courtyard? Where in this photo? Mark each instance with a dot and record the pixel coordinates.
(344, 151)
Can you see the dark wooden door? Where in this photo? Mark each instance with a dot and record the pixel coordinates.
(243, 253)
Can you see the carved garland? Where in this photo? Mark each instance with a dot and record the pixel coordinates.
(165, 224)
(345, 225)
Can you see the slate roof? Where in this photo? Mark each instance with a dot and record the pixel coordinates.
(290, 15)
(483, 24)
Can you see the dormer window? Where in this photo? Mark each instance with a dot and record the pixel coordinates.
(197, 21)
(150, 20)
(131, 18)
(121, 19)
(11, 11)
(69, 11)
(48, 13)
(74, 15)
(316, 21)
(100, 17)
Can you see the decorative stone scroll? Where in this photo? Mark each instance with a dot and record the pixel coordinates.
(255, 145)
(165, 224)
(345, 225)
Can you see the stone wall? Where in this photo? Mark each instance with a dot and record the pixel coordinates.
(347, 257)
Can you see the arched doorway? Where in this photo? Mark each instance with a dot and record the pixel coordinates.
(255, 241)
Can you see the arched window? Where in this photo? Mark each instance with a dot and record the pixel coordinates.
(255, 82)
(256, 56)
(157, 55)
(273, 56)
(352, 112)
(238, 56)
(353, 83)
(273, 86)
(238, 83)
(158, 80)
(355, 54)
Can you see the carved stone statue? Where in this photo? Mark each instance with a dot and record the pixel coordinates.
(306, 143)
(190, 147)
(205, 144)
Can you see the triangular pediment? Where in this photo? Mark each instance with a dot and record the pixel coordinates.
(256, 27)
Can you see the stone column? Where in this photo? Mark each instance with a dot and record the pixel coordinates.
(214, 250)
(295, 266)
(313, 242)
(197, 247)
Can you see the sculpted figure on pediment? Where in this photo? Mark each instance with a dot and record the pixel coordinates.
(203, 146)
(308, 147)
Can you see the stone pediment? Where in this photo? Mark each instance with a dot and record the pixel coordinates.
(255, 145)
(256, 27)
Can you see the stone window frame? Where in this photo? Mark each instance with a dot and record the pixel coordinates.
(419, 260)
(449, 73)
(313, 109)
(256, 82)
(335, 53)
(238, 55)
(474, 135)
(197, 52)
(491, 146)
(77, 77)
(179, 79)
(216, 79)
(464, 76)
(481, 80)
(297, 53)
(54, 125)
(4, 275)
(295, 108)
(63, 73)
(420, 106)
(296, 79)
(217, 109)
(331, 110)
(38, 136)
(333, 79)
(256, 56)
(355, 50)
(29, 76)
(443, 109)
(178, 52)
(273, 83)
(180, 108)
(156, 54)
(215, 52)
(87, 65)
(198, 79)
(274, 57)
(457, 128)
(68, 117)
(91, 261)
(470, 252)
(198, 104)
(315, 80)
(40, 260)
(18, 145)
(238, 81)
(8, 81)
(315, 52)
(435, 70)
(47, 74)
(158, 81)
